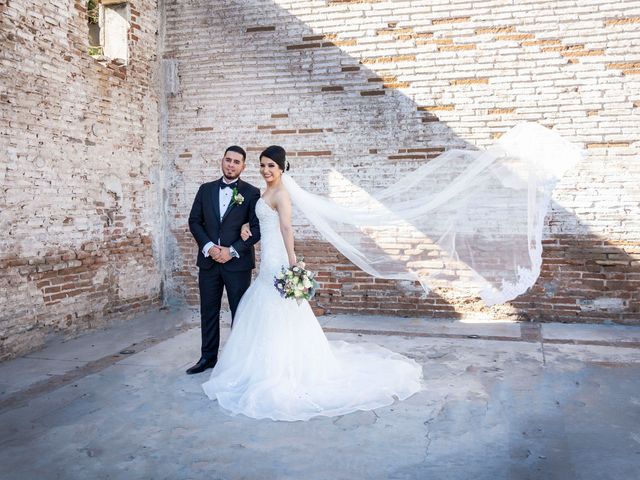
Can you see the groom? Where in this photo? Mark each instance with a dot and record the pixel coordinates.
(224, 259)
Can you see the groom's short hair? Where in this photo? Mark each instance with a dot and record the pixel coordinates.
(237, 149)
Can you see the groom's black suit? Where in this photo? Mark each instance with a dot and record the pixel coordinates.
(235, 275)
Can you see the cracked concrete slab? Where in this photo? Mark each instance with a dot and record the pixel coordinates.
(494, 406)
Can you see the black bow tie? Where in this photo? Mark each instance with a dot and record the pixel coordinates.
(230, 185)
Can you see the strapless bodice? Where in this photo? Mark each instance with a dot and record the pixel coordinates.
(273, 254)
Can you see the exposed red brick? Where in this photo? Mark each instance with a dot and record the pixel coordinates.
(504, 29)
(310, 130)
(583, 53)
(564, 48)
(516, 36)
(622, 21)
(389, 59)
(396, 85)
(436, 108)
(624, 66)
(500, 111)
(426, 150)
(454, 48)
(608, 145)
(269, 28)
(283, 132)
(341, 43)
(440, 21)
(332, 2)
(469, 81)
(406, 157)
(541, 42)
(318, 153)
(303, 46)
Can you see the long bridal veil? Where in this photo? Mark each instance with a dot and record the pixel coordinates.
(467, 220)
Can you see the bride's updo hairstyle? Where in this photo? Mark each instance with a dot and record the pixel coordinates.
(278, 155)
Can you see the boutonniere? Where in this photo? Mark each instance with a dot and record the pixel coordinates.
(236, 197)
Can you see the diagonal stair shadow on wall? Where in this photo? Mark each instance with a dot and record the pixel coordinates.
(332, 110)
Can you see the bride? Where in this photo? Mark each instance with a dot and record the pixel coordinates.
(277, 362)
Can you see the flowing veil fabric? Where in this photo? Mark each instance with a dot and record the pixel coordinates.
(468, 220)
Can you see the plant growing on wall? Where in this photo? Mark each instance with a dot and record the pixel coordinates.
(92, 11)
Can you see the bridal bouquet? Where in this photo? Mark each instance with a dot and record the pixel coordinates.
(296, 282)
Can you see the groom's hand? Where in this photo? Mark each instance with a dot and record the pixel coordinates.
(223, 255)
(213, 251)
(245, 232)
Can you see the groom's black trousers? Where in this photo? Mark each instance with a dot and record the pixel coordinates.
(211, 283)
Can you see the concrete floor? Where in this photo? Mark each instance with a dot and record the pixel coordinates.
(502, 401)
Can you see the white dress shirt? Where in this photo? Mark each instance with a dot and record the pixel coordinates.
(224, 199)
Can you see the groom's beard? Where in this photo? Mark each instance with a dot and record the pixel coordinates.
(230, 179)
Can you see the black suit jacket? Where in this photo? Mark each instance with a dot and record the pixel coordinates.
(206, 226)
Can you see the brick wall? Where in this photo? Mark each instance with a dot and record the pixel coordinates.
(368, 89)
(373, 89)
(79, 215)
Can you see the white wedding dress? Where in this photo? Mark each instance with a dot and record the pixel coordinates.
(278, 364)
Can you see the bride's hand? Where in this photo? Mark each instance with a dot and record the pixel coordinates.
(245, 232)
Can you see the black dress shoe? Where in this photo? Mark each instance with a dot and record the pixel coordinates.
(202, 365)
